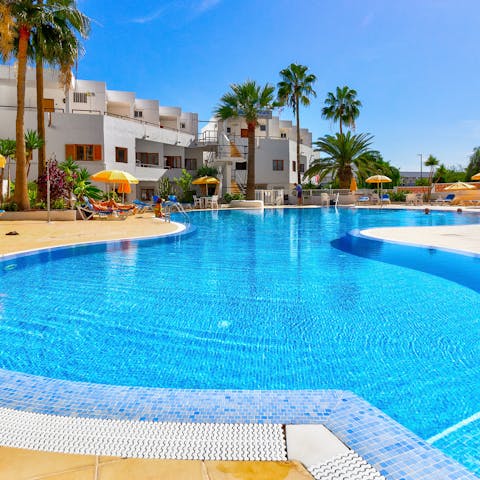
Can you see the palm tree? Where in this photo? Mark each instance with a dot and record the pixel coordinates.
(294, 89)
(431, 162)
(55, 42)
(344, 107)
(343, 153)
(18, 19)
(473, 164)
(33, 141)
(247, 100)
(7, 149)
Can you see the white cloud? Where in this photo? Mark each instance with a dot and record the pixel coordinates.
(151, 17)
(205, 5)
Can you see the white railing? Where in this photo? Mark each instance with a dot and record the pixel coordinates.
(270, 197)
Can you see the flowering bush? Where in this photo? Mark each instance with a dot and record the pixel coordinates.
(60, 187)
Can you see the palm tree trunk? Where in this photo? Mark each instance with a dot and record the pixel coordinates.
(40, 116)
(21, 182)
(251, 162)
(341, 126)
(297, 114)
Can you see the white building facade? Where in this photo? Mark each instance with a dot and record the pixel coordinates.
(107, 129)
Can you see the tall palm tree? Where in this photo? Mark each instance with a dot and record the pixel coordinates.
(18, 19)
(343, 153)
(295, 88)
(247, 100)
(343, 107)
(431, 162)
(54, 42)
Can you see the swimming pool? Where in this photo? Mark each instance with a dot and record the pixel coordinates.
(258, 300)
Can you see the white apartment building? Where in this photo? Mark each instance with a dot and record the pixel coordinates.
(275, 156)
(108, 129)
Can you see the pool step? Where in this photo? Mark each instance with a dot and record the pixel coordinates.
(141, 439)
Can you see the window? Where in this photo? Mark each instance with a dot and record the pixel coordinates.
(80, 97)
(121, 155)
(302, 168)
(283, 135)
(147, 159)
(190, 164)
(244, 133)
(277, 165)
(138, 114)
(182, 125)
(173, 161)
(146, 194)
(240, 165)
(229, 130)
(263, 128)
(294, 166)
(83, 153)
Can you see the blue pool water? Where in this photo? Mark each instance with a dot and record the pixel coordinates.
(280, 299)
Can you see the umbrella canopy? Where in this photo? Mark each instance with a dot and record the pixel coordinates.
(459, 186)
(378, 179)
(124, 188)
(206, 181)
(3, 161)
(353, 185)
(114, 176)
(476, 176)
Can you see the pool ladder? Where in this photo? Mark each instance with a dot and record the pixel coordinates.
(171, 206)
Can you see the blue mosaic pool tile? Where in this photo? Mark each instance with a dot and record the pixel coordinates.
(389, 447)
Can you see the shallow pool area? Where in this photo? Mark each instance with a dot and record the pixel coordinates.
(259, 300)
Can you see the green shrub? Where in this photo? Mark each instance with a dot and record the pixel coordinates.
(228, 197)
(398, 196)
(10, 207)
(59, 204)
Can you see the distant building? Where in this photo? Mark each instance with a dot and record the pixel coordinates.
(408, 179)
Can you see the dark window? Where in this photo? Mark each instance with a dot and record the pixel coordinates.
(190, 164)
(229, 130)
(241, 165)
(121, 155)
(302, 168)
(84, 152)
(277, 165)
(173, 161)
(147, 158)
(146, 194)
(182, 125)
(294, 166)
(263, 128)
(283, 135)
(138, 114)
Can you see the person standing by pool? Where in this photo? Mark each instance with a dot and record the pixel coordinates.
(299, 190)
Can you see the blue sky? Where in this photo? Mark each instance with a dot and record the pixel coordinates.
(414, 63)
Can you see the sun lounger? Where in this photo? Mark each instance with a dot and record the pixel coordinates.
(385, 198)
(363, 200)
(447, 200)
(143, 206)
(89, 211)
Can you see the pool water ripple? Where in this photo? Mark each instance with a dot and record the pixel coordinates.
(257, 300)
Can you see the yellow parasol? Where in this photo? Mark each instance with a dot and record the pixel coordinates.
(353, 185)
(206, 181)
(379, 180)
(3, 161)
(459, 186)
(476, 176)
(113, 176)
